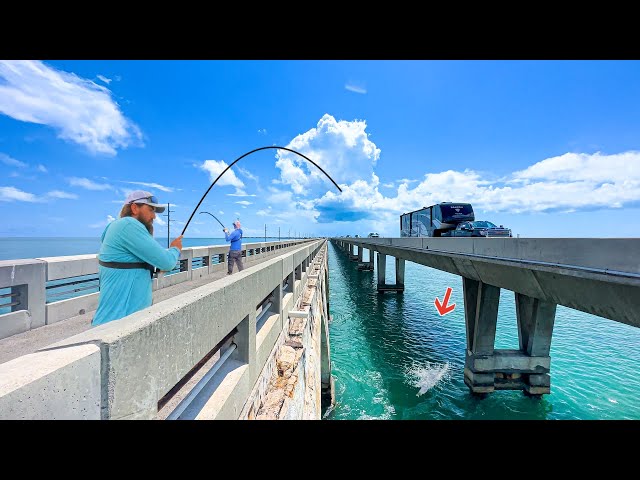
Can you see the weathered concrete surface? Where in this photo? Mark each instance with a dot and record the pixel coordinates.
(290, 385)
(59, 384)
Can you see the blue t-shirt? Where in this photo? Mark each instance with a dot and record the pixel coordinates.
(125, 291)
(235, 238)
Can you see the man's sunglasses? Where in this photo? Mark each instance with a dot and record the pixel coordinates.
(152, 199)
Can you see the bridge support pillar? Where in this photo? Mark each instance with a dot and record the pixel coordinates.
(382, 270)
(487, 369)
(367, 265)
(327, 386)
(400, 272)
(481, 316)
(535, 328)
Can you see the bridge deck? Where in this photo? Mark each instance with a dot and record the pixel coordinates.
(33, 340)
(600, 276)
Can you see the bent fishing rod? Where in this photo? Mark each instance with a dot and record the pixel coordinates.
(241, 157)
(215, 218)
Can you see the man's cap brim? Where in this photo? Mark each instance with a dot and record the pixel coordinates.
(159, 208)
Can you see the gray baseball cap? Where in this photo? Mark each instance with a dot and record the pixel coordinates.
(142, 196)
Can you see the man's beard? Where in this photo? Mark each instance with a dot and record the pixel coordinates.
(149, 226)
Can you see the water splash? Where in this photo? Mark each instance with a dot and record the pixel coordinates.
(425, 377)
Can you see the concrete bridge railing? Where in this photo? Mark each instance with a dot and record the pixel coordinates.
(124, 369)
(25, 284)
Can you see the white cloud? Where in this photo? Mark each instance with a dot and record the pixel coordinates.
(570, 182)
(573, 167)
(244, 202)
(355, 88)
(160, 221)
(78, 109)
(61, 194)
(12, 162)
(42, 168)
(103, 223)
(341, 148)
(241, 193)
(264, 212)
(104, 79)
(88, 184)
(215, 168)
(247, 174)
(262, 131)
(152, 185)
(10, 194)
(221, 212)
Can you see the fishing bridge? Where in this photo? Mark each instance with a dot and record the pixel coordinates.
(250, 345)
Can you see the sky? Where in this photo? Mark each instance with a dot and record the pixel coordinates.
(546, 148)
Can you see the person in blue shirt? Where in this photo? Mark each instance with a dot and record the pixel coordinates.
(128, 256)
(235, 250)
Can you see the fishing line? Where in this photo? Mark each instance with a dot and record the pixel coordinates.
(236, 160)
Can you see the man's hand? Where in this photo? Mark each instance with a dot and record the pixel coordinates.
(225, 230)
(177, 243)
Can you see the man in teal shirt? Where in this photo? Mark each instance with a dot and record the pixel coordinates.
(128, 256)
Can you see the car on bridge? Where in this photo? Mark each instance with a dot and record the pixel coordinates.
(480, 228)
(373, 235)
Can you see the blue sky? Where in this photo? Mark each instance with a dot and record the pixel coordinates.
(547, 148)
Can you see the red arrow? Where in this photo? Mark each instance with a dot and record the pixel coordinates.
(443, 309)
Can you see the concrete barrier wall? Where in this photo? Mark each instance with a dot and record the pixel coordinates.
(143, 356)
(290, 384)
(32, 274)
(61, 384)
(14, 323)
(63, 309)
(615, 254)
(26, 279)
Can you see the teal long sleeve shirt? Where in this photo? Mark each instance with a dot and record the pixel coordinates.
(125, 291)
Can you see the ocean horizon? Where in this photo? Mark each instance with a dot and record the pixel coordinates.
(16, 248)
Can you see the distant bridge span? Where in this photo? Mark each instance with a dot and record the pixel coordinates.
(595, 275)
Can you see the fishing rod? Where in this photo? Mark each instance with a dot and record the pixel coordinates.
(241, 157)
(215, 218)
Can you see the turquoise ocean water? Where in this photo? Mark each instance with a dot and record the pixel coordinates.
(394, 357)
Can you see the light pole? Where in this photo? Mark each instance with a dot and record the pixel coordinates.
(168, 215)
